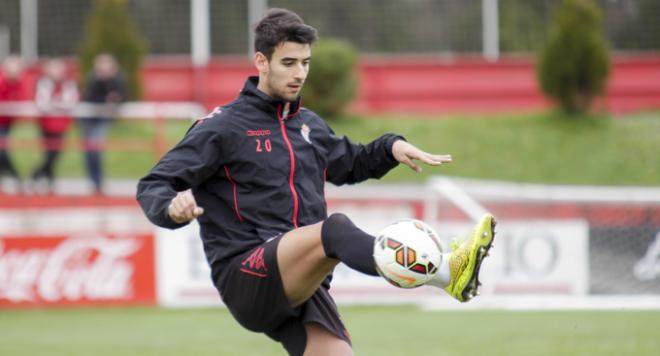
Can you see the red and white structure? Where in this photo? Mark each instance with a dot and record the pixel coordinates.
(557, 247)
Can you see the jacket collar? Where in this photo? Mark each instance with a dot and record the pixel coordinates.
(265, 102)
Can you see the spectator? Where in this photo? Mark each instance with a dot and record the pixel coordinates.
(55, 96)
(12, 88)
(105, 85)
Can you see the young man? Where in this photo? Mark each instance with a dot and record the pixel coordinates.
(253, 174)
(104, 85)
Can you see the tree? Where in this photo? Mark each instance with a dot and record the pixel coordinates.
(331, 84)
(573, 66)
(110, 29)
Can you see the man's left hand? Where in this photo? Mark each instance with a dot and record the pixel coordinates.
(406, 153)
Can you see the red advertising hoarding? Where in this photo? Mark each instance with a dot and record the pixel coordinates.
(77, 269)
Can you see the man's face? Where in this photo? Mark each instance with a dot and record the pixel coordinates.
(105, 66)
(283, 76)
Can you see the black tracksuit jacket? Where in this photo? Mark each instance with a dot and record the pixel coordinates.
(257, 174)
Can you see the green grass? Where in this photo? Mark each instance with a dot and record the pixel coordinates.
(117, 163)
(401, 330)
(541, 147)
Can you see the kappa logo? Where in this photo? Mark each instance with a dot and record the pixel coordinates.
(305, 131)
(252, 133)
(648, 267)
(254, 264)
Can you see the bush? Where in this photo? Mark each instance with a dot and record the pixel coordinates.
(573, 66)
(331, 84)
(110, 29)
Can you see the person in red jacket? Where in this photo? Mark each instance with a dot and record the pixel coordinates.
(55, 96)
(12, 88)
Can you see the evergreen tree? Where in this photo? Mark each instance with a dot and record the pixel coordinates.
(332, 82)
(110, 29)
(573, 66)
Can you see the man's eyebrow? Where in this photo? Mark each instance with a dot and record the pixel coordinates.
(295, 59)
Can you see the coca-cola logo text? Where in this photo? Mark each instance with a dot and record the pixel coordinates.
(68, 270)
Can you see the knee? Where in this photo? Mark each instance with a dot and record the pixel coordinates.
(334, 228)
(334, 223)
(337, 219)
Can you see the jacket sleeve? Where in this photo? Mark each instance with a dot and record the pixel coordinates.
(350, 163)
(192, 161)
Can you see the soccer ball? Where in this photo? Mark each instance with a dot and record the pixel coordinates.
(407, 253)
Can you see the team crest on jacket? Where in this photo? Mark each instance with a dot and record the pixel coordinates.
(304, 131)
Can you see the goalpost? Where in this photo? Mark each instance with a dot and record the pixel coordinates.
(559, 247)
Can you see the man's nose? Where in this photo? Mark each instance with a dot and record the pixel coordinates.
(300, 72)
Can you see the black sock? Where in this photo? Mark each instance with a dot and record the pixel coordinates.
(344, 241)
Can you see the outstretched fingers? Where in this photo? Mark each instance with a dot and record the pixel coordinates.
(409, 162)
(407, 154)
(431, 159)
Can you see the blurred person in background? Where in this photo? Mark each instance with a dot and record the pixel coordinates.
(12, 88)
(55, 96)
(105, 85)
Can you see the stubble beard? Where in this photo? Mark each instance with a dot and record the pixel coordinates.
(281, 94)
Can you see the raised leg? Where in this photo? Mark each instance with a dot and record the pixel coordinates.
(321, 342)
(306, 255)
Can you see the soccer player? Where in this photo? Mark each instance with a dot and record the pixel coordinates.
(253, 174)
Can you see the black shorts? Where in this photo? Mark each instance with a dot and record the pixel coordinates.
(253, 292)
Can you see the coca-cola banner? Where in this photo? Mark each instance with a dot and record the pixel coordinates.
(82, 269)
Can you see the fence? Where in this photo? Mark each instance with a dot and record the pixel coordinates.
(156, 113)
(388, 26)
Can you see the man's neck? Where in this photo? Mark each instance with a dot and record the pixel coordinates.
(264, 90)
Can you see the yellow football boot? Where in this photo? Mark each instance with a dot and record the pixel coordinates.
(465, 260)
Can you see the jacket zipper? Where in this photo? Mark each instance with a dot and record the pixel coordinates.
(293, 166)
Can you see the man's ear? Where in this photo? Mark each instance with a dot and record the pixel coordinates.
(261, 62)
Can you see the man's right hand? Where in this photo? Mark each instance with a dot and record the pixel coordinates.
(183, 207)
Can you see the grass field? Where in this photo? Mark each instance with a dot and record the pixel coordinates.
(542, 147)
(387, 330)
